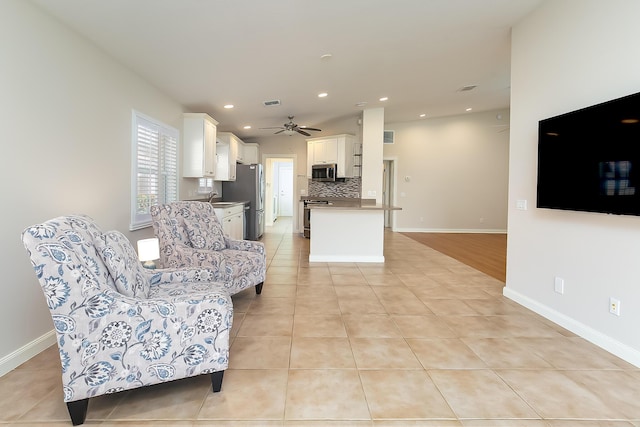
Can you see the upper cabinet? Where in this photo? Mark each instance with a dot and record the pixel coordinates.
(338, 149)
(199, 146)
(250, 153)
(227, 150)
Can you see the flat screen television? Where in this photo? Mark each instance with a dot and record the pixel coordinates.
(589, 159)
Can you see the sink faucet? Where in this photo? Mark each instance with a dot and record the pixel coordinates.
(213, 194)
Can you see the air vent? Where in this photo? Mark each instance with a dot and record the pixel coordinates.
(271, 103)
(388, 137)
(467, 88)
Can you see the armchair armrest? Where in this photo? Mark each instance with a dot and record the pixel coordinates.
(244, 245)
(181, 275)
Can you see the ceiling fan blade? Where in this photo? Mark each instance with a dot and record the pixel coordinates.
(306, 128)
(274, 127)
(303, 132)
(280, 131)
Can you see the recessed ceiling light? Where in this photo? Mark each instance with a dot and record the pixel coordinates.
(384, 98)
(423, 115)
(469, 109)
(323, 95)
(228, 106)
(247, 127)
(629, 121)
(326, 57)
(361, 104)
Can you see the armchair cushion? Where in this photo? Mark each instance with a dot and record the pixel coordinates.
(123, 264)
(204, 236)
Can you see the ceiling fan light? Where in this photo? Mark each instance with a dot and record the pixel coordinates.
(289, 132)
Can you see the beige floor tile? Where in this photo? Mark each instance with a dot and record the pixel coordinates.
(266, 325)
(280, 291)
(383, 280)
(310, 306)
(403, 394)
(341, 269)
(449, 307)
(480, 394)
(383, 353)
(429, 326)
(267, 305)
(417, 423)
(321, 353)
(472, 326)
(22, 389)
(322, 292)
(248, 395)
(504, 353)
(361, 292)
(445, 353)
(175, 400)
(521, 326)
(617, 389)
(279, 267)
(282, 279)
(322, 394)
(348, 279)
(371, 325)
(318, 326)
(260, 353)
(408, 305)
(361, 306)
(573, 353)
(538, 387)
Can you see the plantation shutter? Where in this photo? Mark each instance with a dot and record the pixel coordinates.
(154, 169)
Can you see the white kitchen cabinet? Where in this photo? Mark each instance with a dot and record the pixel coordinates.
(251, 153)
(232, 220)
(227, 154)
(338, 149)
(199, 146)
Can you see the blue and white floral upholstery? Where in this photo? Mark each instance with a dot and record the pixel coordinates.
(119, 326)
(190, 235)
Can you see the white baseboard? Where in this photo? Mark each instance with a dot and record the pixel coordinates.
(345, 258)
(603, 341)
(451, 230)
(26, 352)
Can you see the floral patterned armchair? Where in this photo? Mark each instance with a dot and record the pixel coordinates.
(190, 235)
(118, 325)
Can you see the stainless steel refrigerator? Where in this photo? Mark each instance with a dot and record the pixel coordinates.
(248, 186)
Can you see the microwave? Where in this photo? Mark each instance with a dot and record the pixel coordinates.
(324, 172)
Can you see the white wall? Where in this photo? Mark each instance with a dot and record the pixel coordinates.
(65, 115)
(451, 173)
(567, 55)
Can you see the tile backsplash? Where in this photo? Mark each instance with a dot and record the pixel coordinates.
(351, 187)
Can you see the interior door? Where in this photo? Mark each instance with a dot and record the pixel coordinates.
(285, 191)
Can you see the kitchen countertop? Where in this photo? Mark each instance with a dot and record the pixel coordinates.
(344, 203)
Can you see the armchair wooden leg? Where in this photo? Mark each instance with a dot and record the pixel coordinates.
(259, 288)
(78, 411)
(216, 380)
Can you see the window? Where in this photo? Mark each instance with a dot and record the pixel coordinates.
(205, 185)
(154, 169)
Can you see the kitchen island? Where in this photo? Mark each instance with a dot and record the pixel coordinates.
(348, 231)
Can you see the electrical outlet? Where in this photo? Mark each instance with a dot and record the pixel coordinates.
(614, 306)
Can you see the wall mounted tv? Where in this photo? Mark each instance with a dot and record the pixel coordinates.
(589, 159)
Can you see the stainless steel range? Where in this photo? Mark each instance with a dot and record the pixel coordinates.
(307, 215)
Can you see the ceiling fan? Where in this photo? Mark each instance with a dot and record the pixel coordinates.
(291, 128)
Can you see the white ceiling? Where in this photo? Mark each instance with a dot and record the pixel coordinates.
(208, 53)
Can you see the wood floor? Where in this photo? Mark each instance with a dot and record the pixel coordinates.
(484, 252)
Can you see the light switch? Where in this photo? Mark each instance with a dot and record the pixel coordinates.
(521, 205)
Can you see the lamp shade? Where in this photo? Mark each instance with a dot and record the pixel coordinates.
(148, 249)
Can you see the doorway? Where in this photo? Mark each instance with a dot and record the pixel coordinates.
(388, 183)
(279, 189)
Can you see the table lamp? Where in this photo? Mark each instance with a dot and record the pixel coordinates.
(148, 251)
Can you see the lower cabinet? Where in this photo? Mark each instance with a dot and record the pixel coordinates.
(232, 220)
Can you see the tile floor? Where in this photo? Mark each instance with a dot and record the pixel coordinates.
(421, 340)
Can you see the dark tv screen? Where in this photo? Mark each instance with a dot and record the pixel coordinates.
(589, 159)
